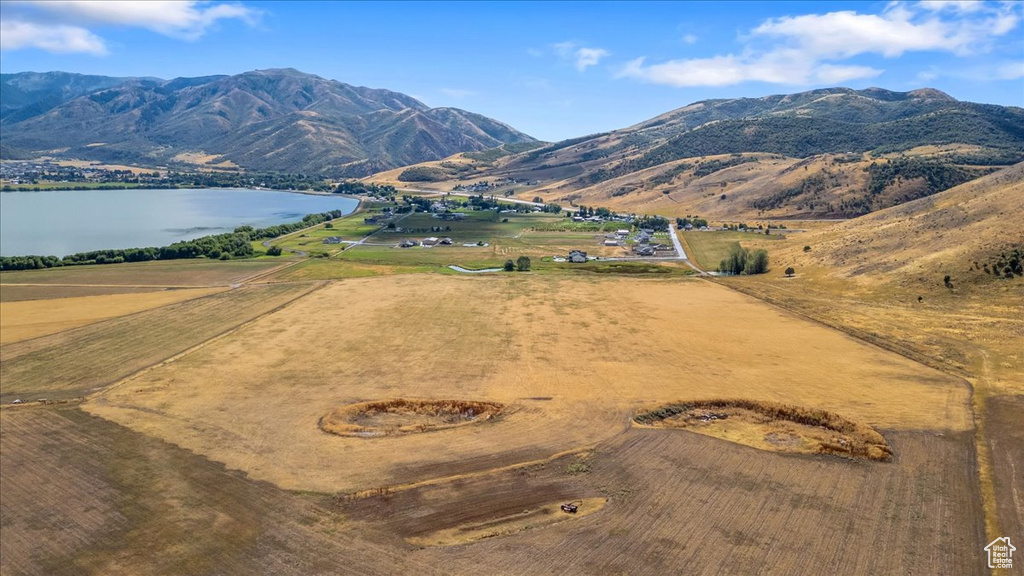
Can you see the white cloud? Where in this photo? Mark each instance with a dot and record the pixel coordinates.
(952, 5)
(458, 92)
(64, 26)
(774, 68)
(582, 57)
(897, 30)
(1011, 71)
(15, 35)
(586, 57)
(690, 39)
(812, 48)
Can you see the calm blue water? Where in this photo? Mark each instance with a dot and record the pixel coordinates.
(65, 222)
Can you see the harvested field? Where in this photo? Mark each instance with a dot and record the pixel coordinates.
(75, 362)
(169, 273)
(690, 503)
(599, 347)
(1004, 420)
(82, 495)
(772, 426)
(23, 292)
(405, 416)
(34, 318)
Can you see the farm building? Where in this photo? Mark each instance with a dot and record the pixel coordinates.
(332, 240)
(408, 243)
(432, 241)
(645, 251)
(577, 256)
(611, 242)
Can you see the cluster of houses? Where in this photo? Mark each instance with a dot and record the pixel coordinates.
(616, 239)
(426, 242)
(645, 245)
(381, 218)
(441, 212)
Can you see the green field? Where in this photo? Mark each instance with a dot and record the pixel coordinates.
(710, 248)
(71, 186)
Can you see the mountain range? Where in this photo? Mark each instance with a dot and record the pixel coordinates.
(279, 119)
(812, 154)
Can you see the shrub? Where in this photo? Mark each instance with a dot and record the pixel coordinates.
(274, 251)
(509, 266)
(807, 248)
(423, 174)
(790, 271)
(523, 264)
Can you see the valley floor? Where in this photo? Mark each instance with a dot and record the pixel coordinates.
(195, 447)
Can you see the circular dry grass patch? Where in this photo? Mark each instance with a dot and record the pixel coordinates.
(772, 426)
(405, 416)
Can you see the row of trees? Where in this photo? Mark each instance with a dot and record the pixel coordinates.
(657, 223)
(235, 244)
(357, 187)
(743, 261)
(692, 221)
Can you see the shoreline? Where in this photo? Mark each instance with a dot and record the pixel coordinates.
(213, 231)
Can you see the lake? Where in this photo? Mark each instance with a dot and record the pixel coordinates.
(59, 223)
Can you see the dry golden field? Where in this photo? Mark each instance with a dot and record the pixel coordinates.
(164, 274)
(23, 292)
(572, 358)
(34, 318)
(187, 438)
(881, 278)
(72, 363)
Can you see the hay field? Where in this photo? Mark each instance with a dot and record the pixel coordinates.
(23, 292)
(573, 358)
(34, 318)
(82, 495)
(74, 362)
(169, 273)
(685, 503)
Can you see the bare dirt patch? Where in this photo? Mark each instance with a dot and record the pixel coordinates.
(772, 426)
(529, 519)
(405, 416)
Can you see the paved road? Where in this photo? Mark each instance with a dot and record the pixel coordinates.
(680, 253)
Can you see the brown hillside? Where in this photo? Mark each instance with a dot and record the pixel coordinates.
(921, 241)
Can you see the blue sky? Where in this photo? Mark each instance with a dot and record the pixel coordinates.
(553, 70)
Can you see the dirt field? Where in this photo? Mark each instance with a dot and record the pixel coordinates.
(572, 358)
(85, 496)
(685, 503)
(171, 273)
(34, 318)
(22, 292)
(1004, 419)
(74, 362)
